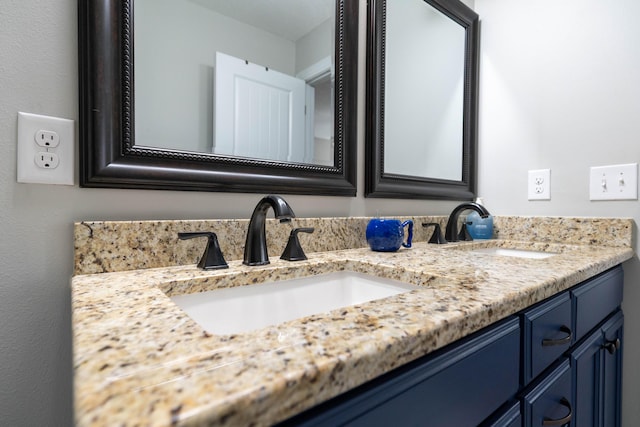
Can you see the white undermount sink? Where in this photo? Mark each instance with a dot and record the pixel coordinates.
(518, 253)
(245, 308)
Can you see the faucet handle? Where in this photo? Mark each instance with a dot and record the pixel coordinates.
(464, 233)
(212, 258)
(437, 236)
(293, 251)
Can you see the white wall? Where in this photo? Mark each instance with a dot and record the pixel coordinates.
(38, 74)
(316, 45)
(559, 89)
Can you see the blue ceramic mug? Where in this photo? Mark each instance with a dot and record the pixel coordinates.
(387, 235)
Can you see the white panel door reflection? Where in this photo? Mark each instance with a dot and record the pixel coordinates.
(258, 112)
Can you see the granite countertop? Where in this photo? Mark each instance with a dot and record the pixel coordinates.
(140, 360)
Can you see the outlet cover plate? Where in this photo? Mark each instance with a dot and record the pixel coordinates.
(615, 182)
(539, 184)
(30, 170)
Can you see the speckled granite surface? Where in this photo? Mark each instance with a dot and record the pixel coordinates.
(140, 360)
(102, 247)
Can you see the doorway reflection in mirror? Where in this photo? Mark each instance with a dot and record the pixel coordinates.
(234, 79)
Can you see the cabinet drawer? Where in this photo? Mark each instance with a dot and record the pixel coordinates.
(549, 401)
(547, 334)
(462, 385)
(596, 299)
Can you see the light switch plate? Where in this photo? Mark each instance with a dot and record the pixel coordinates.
(616, 182)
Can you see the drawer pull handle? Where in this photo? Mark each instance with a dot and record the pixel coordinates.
(612, 346)
(561, 341)
(561, 421)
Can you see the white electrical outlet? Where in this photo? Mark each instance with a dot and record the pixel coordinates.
(45, 149)
(539, 184)
(616, 182)
(46, 160)
(47, 138)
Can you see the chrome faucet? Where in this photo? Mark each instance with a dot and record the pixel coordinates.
(451, 234)
(255, 247)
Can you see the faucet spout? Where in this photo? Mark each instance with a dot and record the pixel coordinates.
(255, 247)
(451, 234)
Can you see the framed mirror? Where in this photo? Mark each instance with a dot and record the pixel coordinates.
(422, 91)
(150, 77)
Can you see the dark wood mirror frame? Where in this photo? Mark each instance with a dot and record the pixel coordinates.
(109, 157)
(381, 184)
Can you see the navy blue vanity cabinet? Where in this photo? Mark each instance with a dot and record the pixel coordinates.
(597, 375)
(597, 358)
(589, 331)
(555, 363)
(460, 385)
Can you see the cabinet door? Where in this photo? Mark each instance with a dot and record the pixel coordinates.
(597, 373)
(586, 360)
(459, 386)
(595, 299)
(612, 375)
(548, 403)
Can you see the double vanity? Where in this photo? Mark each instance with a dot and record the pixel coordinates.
(504, 320)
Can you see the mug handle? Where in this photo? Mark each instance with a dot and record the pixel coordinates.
(410, 234)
